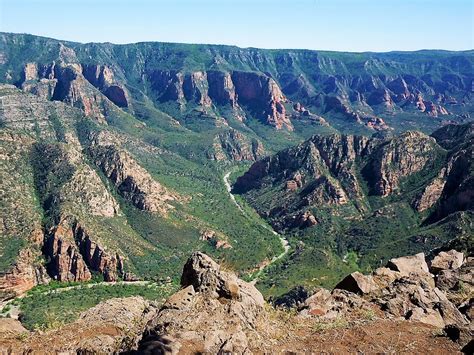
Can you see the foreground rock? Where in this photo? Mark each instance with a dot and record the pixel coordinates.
(217, 313)
(406, 290)
(450, 260)
(110, 327)
(214, 312)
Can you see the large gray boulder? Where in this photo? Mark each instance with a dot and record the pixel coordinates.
(357, 283)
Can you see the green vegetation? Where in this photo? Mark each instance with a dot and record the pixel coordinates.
(49, 307)
(174, 142)
(9, 249)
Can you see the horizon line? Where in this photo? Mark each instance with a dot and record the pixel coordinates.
(240, 47)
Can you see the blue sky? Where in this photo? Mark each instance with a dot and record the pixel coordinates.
(349, 25)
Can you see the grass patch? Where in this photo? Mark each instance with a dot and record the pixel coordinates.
(46, 309)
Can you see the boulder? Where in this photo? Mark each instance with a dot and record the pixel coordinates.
(11, 326)
(214, 312)
(383, 276)
(319, 303)
(427, 316)
(450, 260)
(293, 298)
(406, 265)
(357, 283)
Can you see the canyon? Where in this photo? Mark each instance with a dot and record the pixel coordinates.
(320, 191)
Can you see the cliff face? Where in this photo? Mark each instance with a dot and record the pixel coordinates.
(133, 182)
(401, 157)
(54, 203)
(234, 146)
(367, 89)
(263, 95)
(26, 272)
(74, 254)
(66, 263)
(92, 88)
(236, 90)
(334, 171)
(319, 172)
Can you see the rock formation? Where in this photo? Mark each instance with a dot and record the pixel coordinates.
(133, 182)
(234, 146)
(74, 254)
(112, 326)
(320, 171)
(363, 89)
(399, 158)
(213, 312)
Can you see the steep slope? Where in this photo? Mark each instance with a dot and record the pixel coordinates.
(207, 86)
(353, 201)
(85, 201)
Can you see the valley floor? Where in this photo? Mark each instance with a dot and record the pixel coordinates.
(284, 242)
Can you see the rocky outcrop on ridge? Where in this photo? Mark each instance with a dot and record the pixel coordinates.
(234, 146)
(74, 254)
(363, 89)
(339, 170)
(214, 312)
(257, 92)
(405, 289)
(133, 182)
(112, 326)
(403, 156)
(320, 171)
(92, 88)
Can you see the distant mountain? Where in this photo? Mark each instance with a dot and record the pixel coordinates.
(205, 86)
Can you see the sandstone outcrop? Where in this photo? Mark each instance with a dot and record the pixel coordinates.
(408, 265)
(24, 275)
(74, 254)
(405, 289)
(214, 312)
(112, 326)
(214, 239)
(357, 283)
(103, 78)
(234, 146)
(356, 89)
(318, 172)
(222, 89)
(66, 263)
(70, 82)
(431, 193)
(133, 182)
(259, 93)
(263, 95)
(450, 260)
(400, 157)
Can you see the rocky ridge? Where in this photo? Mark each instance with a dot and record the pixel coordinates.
(337, 170)
(234, 146)
(242, 84)
(47, 164)
(216, 312)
